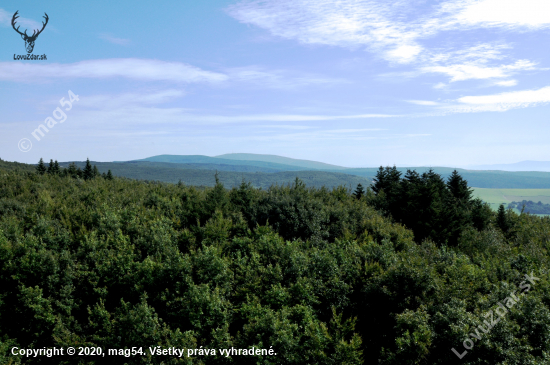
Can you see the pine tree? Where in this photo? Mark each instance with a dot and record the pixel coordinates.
(502, 219)
(73, 171)
(359, 192)
(96, 172)
(109, 175)
(88, 172)
(41, 168)
(50, 167)
(459, 188)
(56, 168)
(387, 186)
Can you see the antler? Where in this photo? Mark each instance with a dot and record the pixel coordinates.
(34, 34)
(44, 26)
(13, 23)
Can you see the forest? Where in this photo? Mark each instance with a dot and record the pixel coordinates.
(530, 206)
(403, 271)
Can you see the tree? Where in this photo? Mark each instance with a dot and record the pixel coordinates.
(88, 172)
(387, 186)
(481, 214)
(502, 219)
(109, 175)
(459, 188)
(41, 168)
(96, 172)
(50, 167)
(56, 168)
(359, 192)
(74, 171)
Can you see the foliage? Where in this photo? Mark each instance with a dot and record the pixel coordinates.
(319, 275)
(429, 206)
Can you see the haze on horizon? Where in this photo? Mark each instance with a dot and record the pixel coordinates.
(353, 83)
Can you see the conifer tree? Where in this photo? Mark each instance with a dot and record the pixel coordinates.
(459, 188)
(41, 168)
(96, 172)
(88, 172)
(359, 192)
(74, 171)
(502, 219)
(50, 167)
(387, 186)
(56, 168)
(109, 175)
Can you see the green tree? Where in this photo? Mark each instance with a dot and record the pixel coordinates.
(88, 172)
(50, 167)
(359, 192)
(41, 168)
(387, 187)
(459, 188)
(56, 169)
(74, 171)
(502, 220)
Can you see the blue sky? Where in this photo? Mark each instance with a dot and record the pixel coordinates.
(349, 82)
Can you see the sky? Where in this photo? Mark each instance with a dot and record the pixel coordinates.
(354, 83)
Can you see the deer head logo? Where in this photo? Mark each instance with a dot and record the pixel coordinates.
(29, 40)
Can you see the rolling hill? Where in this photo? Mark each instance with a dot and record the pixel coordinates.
(173, 173)
(270, 164)
(304, 164)
(518, 166)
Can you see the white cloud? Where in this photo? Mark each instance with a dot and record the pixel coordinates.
(114, 40)
(423, 102)
(498, 102)
(23, 23)
(278, 79)
(506, 83)
(284, 126)
(507, 13)
(5, 17)
(512, 99)
(143, 108)
(345, 23)
(466, 71)
(129, 99)
(394, 29)
(131, 68)
(404, 53)
(282, 117)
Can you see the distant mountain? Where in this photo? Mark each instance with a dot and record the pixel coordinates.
(199, 170)
(281, 160)
(476, 178)
(518, 166)
(219, 162)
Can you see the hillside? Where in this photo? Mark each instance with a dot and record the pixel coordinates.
(307, 164)
(518, 166)
(238, 165)
(173, 173)
(14, 166)
(243, 163)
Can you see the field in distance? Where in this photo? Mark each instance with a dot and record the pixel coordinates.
(495, 197)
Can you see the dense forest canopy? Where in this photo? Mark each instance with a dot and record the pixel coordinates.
(399, 272)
